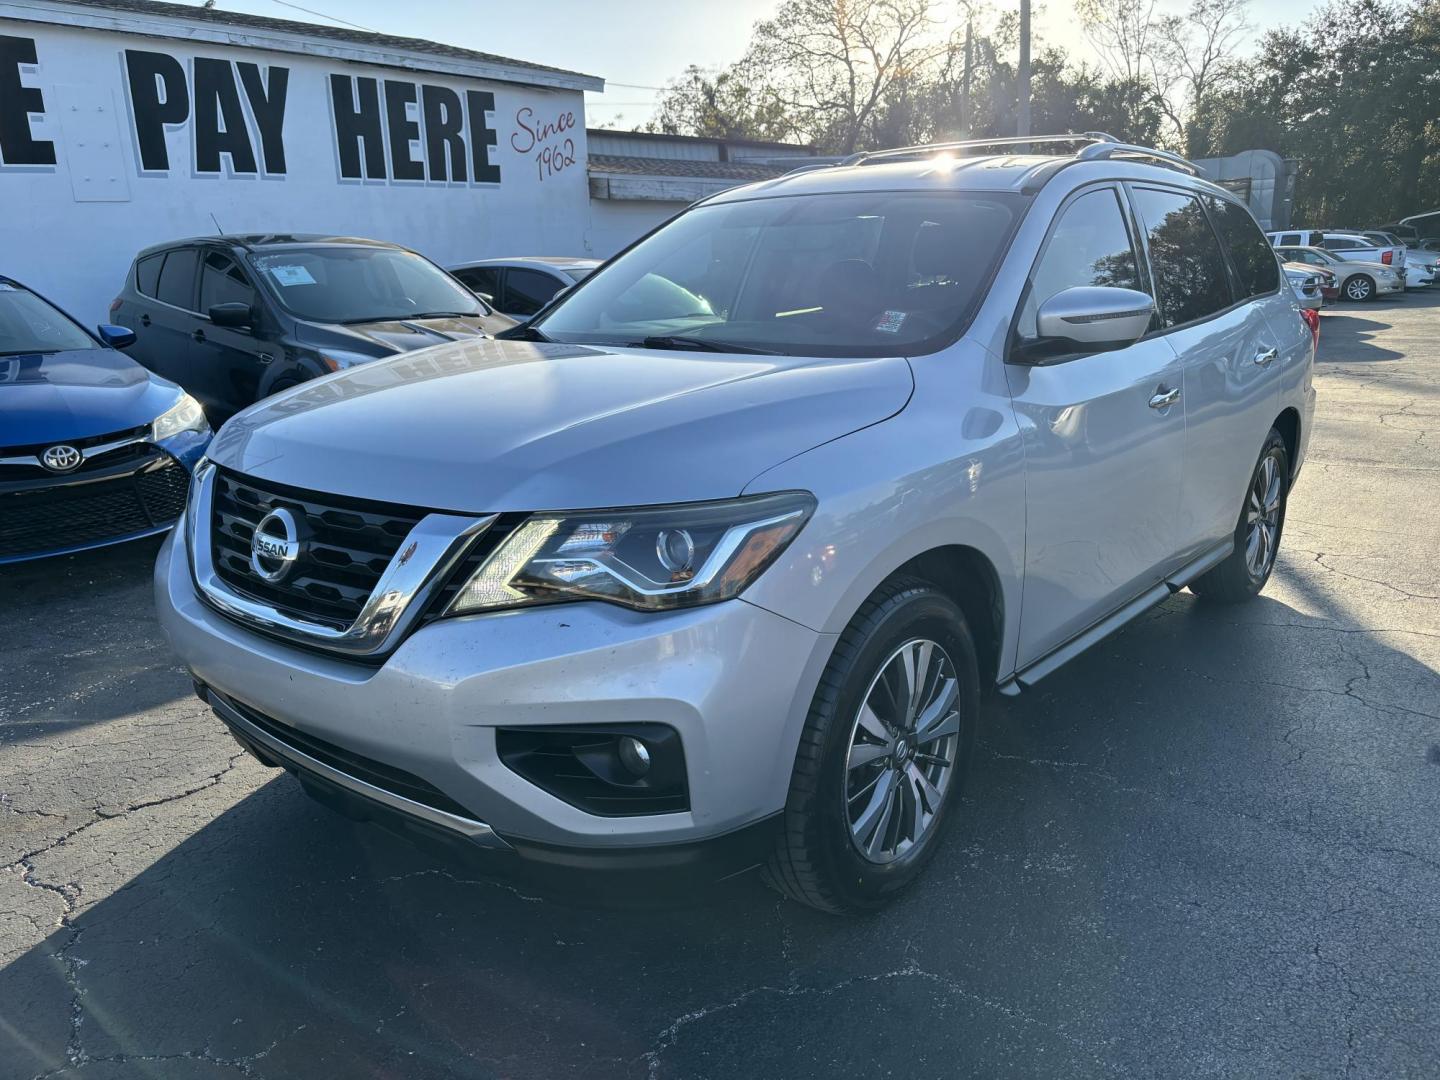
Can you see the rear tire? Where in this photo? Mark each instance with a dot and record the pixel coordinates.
(1257, 534)
(869, 748)
(1360, 288)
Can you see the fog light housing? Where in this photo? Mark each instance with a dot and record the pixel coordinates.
(633, 755)
(612, 770)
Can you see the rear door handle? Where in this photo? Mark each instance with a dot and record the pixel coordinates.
(198, 335)
(144, 320)
(1165, 398)
(1265, 356)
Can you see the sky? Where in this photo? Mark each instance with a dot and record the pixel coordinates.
(637, 46)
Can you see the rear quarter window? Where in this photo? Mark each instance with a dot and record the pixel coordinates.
(1251, 256)
(147, 274)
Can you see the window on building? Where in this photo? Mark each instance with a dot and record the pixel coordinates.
(1191, 280)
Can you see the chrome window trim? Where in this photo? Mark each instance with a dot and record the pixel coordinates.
(85, 454)
(423, 561)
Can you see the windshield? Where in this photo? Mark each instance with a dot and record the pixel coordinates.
(870, 274)
(30, 325)
(359, 284)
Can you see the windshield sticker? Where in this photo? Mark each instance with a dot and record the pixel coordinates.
(290, 275)
(891, 321)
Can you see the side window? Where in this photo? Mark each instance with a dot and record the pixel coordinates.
(177, 278)
(1292, 238)
(147, 274)
(1089, 245)
(222, 282)
(527, 291)
(1252, 258)
(1191, 281)
(1340, 243)
(480, 279)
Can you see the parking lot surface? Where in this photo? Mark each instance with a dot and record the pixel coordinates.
(1207, 848)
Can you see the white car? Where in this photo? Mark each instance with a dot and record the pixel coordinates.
(1354, 280)
(1352, 247)
(521, 287)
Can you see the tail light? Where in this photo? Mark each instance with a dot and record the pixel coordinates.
(114, 305)
(1312, 320)
(1387, 257)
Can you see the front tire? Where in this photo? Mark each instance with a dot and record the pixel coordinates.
(1360, 288)
(1257, 535)
(883, 755)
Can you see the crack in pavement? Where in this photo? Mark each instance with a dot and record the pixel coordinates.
(670, 1035)
(244, 1064)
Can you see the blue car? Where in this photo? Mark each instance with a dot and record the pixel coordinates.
(94, 449)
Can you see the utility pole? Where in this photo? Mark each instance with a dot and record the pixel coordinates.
(1022, 114)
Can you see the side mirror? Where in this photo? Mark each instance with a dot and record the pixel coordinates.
(489, 298)
(233, 315)
(1089, 319)
(117, 337)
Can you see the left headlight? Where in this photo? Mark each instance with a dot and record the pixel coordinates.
(185, 415)
(650, 559)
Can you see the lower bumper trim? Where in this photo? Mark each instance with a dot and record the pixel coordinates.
(473, 830)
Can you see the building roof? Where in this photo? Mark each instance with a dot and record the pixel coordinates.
(739, 172)
(129, 16)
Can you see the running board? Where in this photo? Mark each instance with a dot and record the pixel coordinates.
(1063, 654)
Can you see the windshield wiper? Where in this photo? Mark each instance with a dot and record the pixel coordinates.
(523, 332)
(444, 315)
(680, 341)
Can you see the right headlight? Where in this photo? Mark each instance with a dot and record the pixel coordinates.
(649, 559)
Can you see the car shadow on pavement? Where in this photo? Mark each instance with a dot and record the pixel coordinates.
(1141, 830)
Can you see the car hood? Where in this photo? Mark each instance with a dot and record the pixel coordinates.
(385, 337)
(54, 397)
(485, 425)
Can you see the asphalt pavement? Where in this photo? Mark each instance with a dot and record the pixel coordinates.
(1209, 848)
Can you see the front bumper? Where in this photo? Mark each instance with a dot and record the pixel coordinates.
(734, 680)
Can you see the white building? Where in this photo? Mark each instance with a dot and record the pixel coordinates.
(125, 123)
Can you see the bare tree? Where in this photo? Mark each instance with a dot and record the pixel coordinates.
(832, 62)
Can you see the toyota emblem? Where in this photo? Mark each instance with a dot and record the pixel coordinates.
(275, 545)
(61, 458)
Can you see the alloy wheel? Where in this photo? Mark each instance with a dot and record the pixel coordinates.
(1262, 518)
(902, 752)
(1357, 289)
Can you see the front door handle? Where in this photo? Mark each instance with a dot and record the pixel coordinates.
(144, 320)
(1265, 356)
(1163, 398)
(199, 335)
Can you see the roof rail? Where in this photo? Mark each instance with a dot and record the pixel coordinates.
(1112, 150)
(865, 157)
(1089, 146)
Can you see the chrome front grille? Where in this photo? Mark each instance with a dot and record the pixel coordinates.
(361, 574)
(348, 544)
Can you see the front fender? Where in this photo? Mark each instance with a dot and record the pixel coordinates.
(947, 471)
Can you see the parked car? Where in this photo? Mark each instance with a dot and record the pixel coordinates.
(1307, 284)
(1356, 280)
(236, 318)
(635, 586)
(521, 287)
(1420, 269)
(1350, 249)
(94, 450)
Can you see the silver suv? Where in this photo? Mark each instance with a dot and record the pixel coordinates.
(711, 565)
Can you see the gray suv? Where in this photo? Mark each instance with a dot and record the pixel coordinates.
(711, 564)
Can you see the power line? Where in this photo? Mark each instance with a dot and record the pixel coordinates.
(322, 15)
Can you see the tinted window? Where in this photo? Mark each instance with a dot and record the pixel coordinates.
(177, 278)
(1090, 245)
(147, 274)
(481, 279)
(1341, 243)
(30, 325)
(347, 283)
(1250, 253)
(1191, 281)
(1291, 238)
(527, 291)
(222, 282)
(853, 274)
